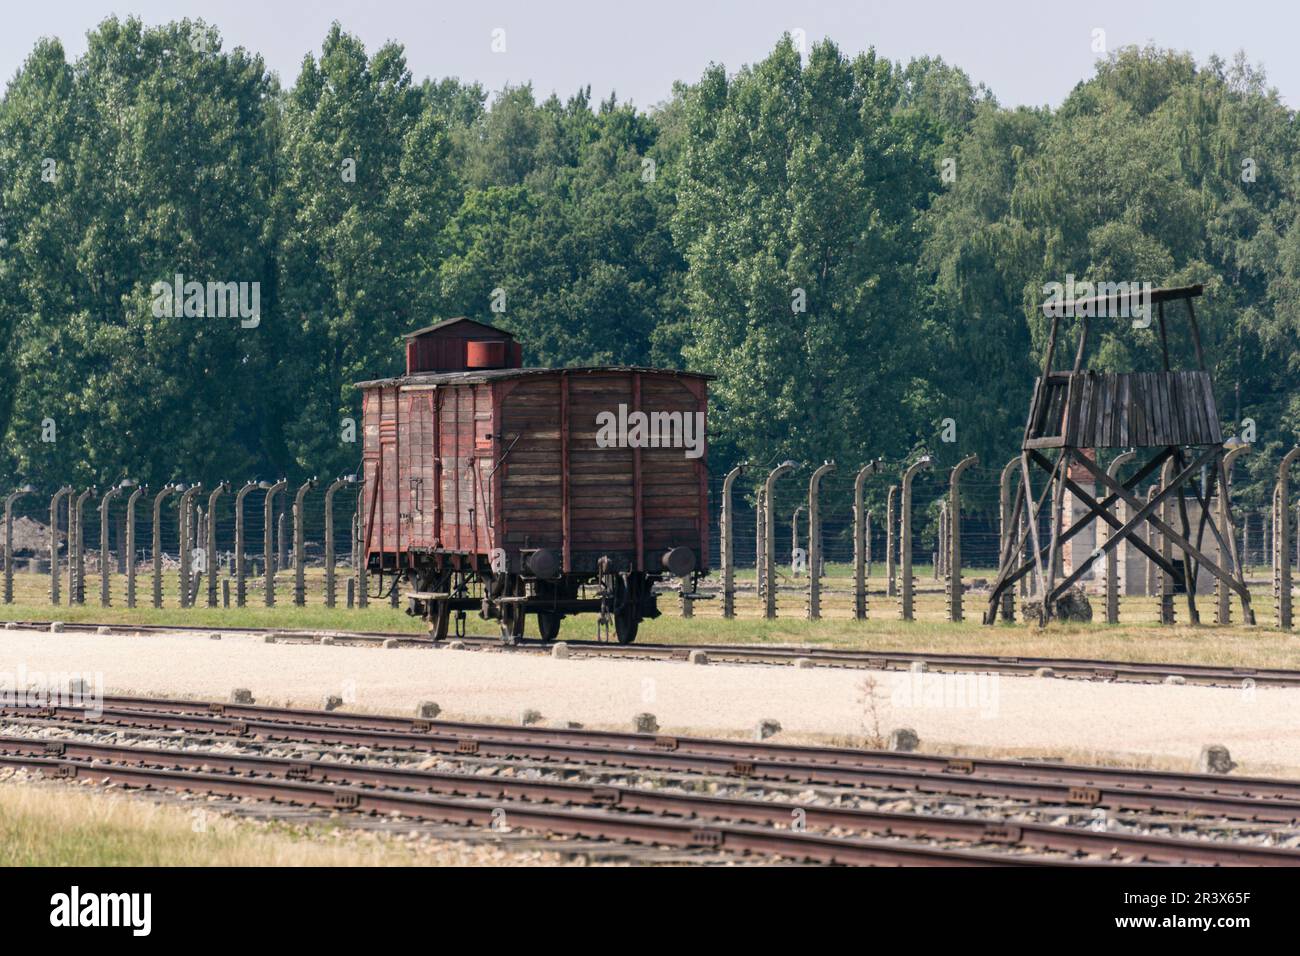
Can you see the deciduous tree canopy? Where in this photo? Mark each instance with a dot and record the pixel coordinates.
(856, 248)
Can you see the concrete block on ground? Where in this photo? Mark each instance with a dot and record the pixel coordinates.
(561, 651)
(390, 642)
(804, 662)
(241, 695)
(56, 627)
(427, 710)
(530, 717)
(698, 657)
(767, 727)
(1214, 758)
(646, 723)
(904, 740)
(1044, 672)
(331, 702)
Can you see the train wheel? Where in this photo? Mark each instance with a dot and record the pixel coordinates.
(625, 626)
(440, 612)
(627, 613)
(440, 618)
(548, 624)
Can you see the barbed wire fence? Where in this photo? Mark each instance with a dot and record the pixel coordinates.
(1265, 542)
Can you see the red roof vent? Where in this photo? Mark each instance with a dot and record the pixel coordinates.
(486, 354)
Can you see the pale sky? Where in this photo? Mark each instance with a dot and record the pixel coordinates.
(1029, 52)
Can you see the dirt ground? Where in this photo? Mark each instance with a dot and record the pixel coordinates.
(1159, 724)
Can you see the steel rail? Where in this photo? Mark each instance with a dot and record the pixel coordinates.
(664, 754)
(628, 827)
(1141, 847)
(1073, 774)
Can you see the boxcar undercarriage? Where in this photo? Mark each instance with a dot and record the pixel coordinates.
(443, 590)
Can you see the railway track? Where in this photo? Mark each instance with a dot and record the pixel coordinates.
(194, 716)
(822, 833)
(715, 822)
(1077, 668)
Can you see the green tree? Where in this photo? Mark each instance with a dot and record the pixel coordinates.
(797, 213)
(364, 195)
(162, 150)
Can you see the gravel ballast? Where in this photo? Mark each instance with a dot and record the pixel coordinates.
(998, 713)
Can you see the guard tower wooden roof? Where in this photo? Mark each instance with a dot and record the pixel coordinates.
(1083, 408)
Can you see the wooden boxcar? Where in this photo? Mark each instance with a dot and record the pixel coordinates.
(512, 490)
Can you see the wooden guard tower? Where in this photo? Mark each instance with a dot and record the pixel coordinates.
(1165, 416)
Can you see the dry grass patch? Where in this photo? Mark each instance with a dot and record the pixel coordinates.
(43, 824)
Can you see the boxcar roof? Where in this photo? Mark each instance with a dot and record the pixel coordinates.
(460, 319)
(481, 376)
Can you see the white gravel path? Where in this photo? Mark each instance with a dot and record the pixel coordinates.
(1261, 727)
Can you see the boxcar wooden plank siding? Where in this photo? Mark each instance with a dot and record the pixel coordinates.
(461, 463)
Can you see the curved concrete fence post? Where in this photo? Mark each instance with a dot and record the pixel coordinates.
(1281, 541)
(129, 546)
(940, 563)
(1007, 534)
(158, 500)
(905, 534)
(106, 503)
(185, 542)
(760, 541)
(861, 541)
(268, 538)
(334, 486)
(56, 503)
(727, 542)
(769, 538)
(241, 565)
(1153, 541)
(1222, 593)
(362, 571)
(78, 579)
(891, 543)
(1165, 581)
(300, 543)
(953, 562)
(71, 550)
(1112, 557)
(210, 543)
(74, 533)
(8, 539)
(815, 541)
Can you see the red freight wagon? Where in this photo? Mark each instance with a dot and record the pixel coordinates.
(512, 490)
